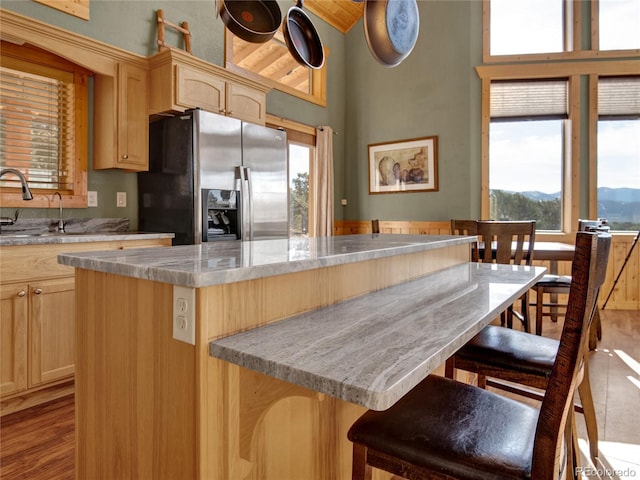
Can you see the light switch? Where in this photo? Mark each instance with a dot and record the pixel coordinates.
(92, 198)
(121, 199)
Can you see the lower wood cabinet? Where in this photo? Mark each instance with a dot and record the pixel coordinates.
(37, 321)
(38, 340)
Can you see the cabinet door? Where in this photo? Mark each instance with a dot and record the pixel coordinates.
(51, 330)
(196, 89)
(246, 104)
(133, 123)
(13, 338)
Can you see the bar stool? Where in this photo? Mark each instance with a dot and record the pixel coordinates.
(446, 429)
(511, 242)
(522, 359)
(554, 285)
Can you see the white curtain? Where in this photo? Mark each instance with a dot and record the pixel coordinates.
(323, 183)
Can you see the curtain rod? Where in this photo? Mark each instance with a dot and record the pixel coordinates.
(321, 128)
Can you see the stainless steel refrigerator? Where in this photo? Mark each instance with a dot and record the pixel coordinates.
(213, 177)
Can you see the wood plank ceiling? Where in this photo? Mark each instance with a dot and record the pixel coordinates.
(342, 14)
(273, 60)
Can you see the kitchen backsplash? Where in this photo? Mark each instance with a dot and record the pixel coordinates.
(72, 225)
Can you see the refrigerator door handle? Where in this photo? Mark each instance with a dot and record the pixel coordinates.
(250, 200)
(245, 203)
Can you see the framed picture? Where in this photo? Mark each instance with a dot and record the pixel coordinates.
(404, 166)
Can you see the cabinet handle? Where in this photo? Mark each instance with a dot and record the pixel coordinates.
(22, 293)
(125, 156)
(37, 291)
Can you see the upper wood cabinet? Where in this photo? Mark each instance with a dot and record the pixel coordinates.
(179, 81)
(121, 125)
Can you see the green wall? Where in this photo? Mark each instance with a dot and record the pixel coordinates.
(435, 91)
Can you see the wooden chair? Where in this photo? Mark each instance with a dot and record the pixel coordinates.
(375, 226)
(523, 359)
(443, 429)
(554, 285)
(511, 243)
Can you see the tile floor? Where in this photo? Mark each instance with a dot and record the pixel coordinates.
(614, 369)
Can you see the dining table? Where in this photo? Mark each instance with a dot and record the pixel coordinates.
(553, 252)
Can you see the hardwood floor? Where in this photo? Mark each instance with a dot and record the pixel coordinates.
(39, 443)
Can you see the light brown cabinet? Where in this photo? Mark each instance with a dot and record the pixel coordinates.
(121, 125)
(38, 341)
(37, 320)
(14, 307)
(179, 81)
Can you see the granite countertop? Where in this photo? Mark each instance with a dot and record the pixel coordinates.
(12, 239)
(371, 350)
(232, 261)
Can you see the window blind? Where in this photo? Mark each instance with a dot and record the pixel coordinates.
(510, 100)
(37, 129)
(619, 97)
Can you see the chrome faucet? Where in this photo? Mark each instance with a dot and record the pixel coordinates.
(26, 193)
(60, 228)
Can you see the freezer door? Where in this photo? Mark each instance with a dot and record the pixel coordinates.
(218, 147)
(165, 193)
(265, 161)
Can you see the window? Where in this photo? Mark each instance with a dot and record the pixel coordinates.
(558, 166)
(526, 148)
(301, 141)
(299, 192)
(43, 126)
(619, 152)
(272, 62)
(619, 24)
(527, 26)
(35, 117)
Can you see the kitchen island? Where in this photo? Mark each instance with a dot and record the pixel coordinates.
(151, 406)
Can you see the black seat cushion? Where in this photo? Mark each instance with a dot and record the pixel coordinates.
(454, 428)
(553, 281)
(511, 349)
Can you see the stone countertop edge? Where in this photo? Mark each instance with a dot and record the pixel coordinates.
(9, 239)
(218, 263)
(320, 349)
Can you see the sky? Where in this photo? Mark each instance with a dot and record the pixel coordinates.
(528, 157)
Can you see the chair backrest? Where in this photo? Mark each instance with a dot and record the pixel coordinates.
(592, 225)
(511, 242)
(463, 227)
(588, 272)
(375, 226)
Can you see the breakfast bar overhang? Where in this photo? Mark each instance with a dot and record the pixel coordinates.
(293, 340)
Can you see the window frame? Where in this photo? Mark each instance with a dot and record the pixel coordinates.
(576, 12)
(318, 93)
(579, 66)
(570, 155)
(593, 141)
(36, 60)
(300, 134)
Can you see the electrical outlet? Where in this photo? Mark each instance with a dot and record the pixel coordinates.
(92, 198)
(121, 199)
(184, 314)
(343, 202)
